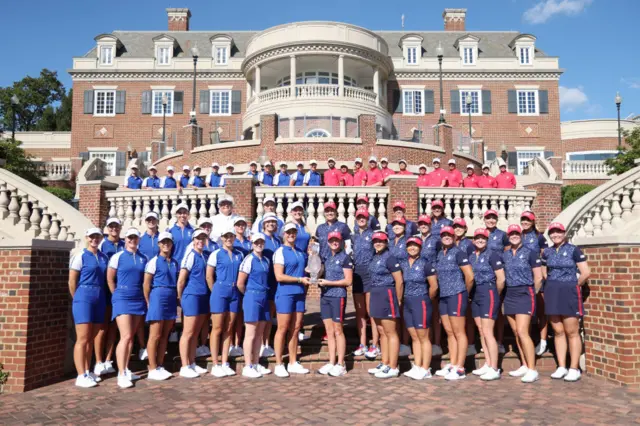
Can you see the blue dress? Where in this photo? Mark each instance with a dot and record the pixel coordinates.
(128, 298)
(163, 300)
(89, 300)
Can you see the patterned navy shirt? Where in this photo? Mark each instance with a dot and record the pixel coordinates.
(363, 251)
(399, 248)
(534, 240)
(411, 228)
(498, 240)
(381, 267)
(466, 245)
(562, 263)
(415, 276)
(438, 224)
(450, 276)
(484, 265)
(322, 232)
(334, 271)
(518, 266)
(430, 247)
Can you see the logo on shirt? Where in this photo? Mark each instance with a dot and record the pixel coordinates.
(521, 257)
(564, 253)
(464, 260)
(481, 260)
(495, 238)
(397, 265)
(582, 256)
(337, 262)
(498, 263)
(366, 238)
(448, 257)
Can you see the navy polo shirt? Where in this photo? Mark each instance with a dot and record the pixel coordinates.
(151, 182)
(411, 228)
(498, 240)
(438, 224)
(466, 245)
(214, 180)
(184, 181)
(257, 270)
(164, 271)
(149, 245)
(415, 276)
(381, 268)
(226, 265)
(450, 276)
(430, 247)
(484, 265)
(562, 263)
(181, 239)
(294, 263)
(398, 248)
(129, 274)
(362, 246)
(334, 271)
(534, 240)
(196, 264)
(322, 232)
(518, 266)
(92, 268)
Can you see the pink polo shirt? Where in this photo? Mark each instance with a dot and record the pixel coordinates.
(359, 178)
(506, 180)
(387, 172)
(470, 181)
(374, 176)
(332, 177)
(437, 176)
(346, 179)
(423, 180)
(454, 177)
(487, 182)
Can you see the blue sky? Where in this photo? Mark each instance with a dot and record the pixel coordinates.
(596, 40)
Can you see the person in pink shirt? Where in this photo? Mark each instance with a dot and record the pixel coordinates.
(454, 177)
(505, 179)
(332, 176)
(359, 175)
(437, 177)
(402, 165)
(345, 177)
(470, 180)
(486, 180)
(374, 175)
(423, 177)
(385, 170)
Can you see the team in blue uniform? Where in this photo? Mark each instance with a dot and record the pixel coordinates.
(184, 179)
(271, 244)
(282, 178)
(133, 181)
(296, 216)
(331, 224)
(212, 180)
(362, 203)
(297, 177)
(168, 181)
(438, 219)
(398, 236)
(149, 241)
(265, 178)
(181, 232)
(152, 181)
(399, 210)
(312, 177)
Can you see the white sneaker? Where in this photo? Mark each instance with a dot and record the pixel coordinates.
(250, 372)
(165, 373)
(362, 349)
(301, 337)
(376, 369)
(412, 372)
(267, 351)
(202, 351)
(427, 373)
(218, 371)
(455, 374)
(262, 370)
(559, 373)
(188, 373)
(142, 354)
(372, 353)
(281, 371)
(338, 370)
(387, 373)
(444, 370)
(93, 376)
(404, 350)
(519, 372)
(195, 367)
(156, 374)
(100, 369)
(573, 375)
(173, 337)
(233, 352)
(491, 374)
(501, 349)
(481, 371)
(324, 370)
(471, 350)
(297, 368)
(108, 368)
(124, 382)
(541, 348)
(131, 376)
(436, 350)
(230, 371)
(530, 377)
(85, 381)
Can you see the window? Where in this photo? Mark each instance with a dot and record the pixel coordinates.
(317, 133)
(220, 102)
(316, 77)
(412, 55)
(413, 102)
(524, 157)
(468, 57)
(475, 105)
(109, 158)
(106, 55)
(221, 56)
(156, 108)
(105, 103)
(527, 102)
(525, 56)
(591, 155)
(163, 55)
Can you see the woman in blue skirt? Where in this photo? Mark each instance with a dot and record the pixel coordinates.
(125, 277)
(87, 273)
(160, 292)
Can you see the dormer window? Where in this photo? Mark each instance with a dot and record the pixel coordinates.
(221, 55)
(412, 56)
(525, 56)
(468, 57)
(221, 45)
(107, 49)
(467, 45)
(524, 48)
(411, 45)
(164, 46)
(163, 56)
(106, 55)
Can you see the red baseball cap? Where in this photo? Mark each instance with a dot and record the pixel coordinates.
(481, 232)
(424, 218)
(400, 204)
(414, 240)
(334, 234)
(460, 222)
(362, 212)
(402, 220)
(557, 225)
(490, 212)
(437, 203)
(362, 198)
(379, 235)
(528, 215)
(329, 205)
(514, 228)
(447, 230)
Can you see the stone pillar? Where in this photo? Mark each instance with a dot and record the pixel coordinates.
(249, 91)
(268, 132)
(444, 139)
(292, 127)
(548, 203)
(192, 135)
(556, 163)
(34, 308)
(292, 78)
(242, 189)
(403, 188)
(341, 75)
(367, 131)
(376, 84)
(93, 201)
(257, 81)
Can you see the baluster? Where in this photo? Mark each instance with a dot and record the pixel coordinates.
(156, 200)
(341, 209)
(428, 198)
(351, 210)
(382, 210)
(502, 212)
(4, 201)
(372, 208)
(421, 203)
(193, 210)
(137, 221)
(605, 215)
(597, 222)
(146, 206)
(290, 201)
(616, 211)
(62, 236)
(466, 210)
(448, 213)
(112, 207)
(24, 211)
(164, 212)
(308, 201)
(128, 220)
(174, 205)
(71, 236)
(320, 220)
(511, 210)
(457, 212)
(635, 199)
(35, 218)
(55, 227)
(45, 224)
(476, 211)
(280, 206)
(485, 205)
(259, 206)
(14, 207)
(588, 226)
(202, 212)
(213, 200)
(121, 209)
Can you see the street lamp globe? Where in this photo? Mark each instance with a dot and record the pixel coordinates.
(15, 100)
(195, 52)
(618, 98)
(468, 99)
(165, 100)
(439, 51)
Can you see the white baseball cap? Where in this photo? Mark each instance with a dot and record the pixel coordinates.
(197, 233)
(93, 231)
(470, 166)
(267, 199)
(486, 166)
(182, 206)
(132, 232)
(258, 236)
(239, 219)
(358, 160)
(331, 159)
(266, 163)
(197, 167)
(152, 167)
(165, 236)
(113, 220)
(282, 163)
(253, 163)
(384, 160)
(269, 216)
(289, 226)
(373, 158)
(151, 215)
(228, 230)
(170, 168)
(215, 165)
(296, 204)
(185, 167)
(451, 161)
(224, 198)
(313, 162)
(422, 166)
(403, 161)
(299, 163)
(436, 160)
(204, 220)
(229, 165)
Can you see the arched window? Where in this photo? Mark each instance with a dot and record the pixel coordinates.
(317, 133)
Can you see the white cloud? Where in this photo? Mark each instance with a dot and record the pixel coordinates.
(632, 83)
(572, 98)
(544, 10)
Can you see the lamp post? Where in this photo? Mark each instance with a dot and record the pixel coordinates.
(165, 101)
(618, 102)
(468, 101)
(15, 101)
(504, 154)
(195, 53)
(440, 54)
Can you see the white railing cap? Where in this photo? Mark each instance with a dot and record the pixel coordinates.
(348, 190)
(126, 192)
(483, 192)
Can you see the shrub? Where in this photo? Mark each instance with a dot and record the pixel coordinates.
(573, 192)
(4, 376)
(64, 194)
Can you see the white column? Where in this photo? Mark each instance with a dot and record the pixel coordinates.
(292, 79)
(376, 84)
(341, 75)
(343, 127)
(249, 91)
(257, 81)
(292, 126)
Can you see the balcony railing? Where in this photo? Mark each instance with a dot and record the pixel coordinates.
(585, 169)
(313, 91)
(56, 170)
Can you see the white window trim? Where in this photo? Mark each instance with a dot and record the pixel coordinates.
(600, 151)
(153, 100)
(407, 56)
(474, 52)
(413, 114)
(326, 133)
(537, 97)
(214, 49)
(108, 155)
(519, 169)
(463, 102)
(169, 54)
(531, 49)
(215, 55)
(210, 105)
(95, 103)
(101, 55)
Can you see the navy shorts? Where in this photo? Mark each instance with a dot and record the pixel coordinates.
(89, 305)
(563, 299)
(194, 304)
(289, 303)
(384, 303)
(360, 281)
(417, 311)
(332, 308)
(485, 302)
(128, 307)
(163, 304)
(454, 305)
(224, 298)
(520, 300)
(255, 305)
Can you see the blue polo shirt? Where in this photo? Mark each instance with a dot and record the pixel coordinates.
(334, 271)
(430, 247)
(498, 240)
(181, 239)
(243, 246)
(110, 248)
(411, 228)
(151, 182)
(134, 182)
(149, 245)
(257, 227)
(209, 247)
(381, 267)
(362, 246)
(168, 182)
(92, 268)
(484, 265)
(265, 178)
(398, 248)
(271, 244)
(197, 181)
(534, 240)
(282, 179)
(129, 275)
(254, 175)
(164, 271)
(214, 180)
(450, 276)
(415, 276)
(562, 263)
(298, 177)
(438, 224)
(257, 270)
(322, 232)
(184, 181)
(518, 266)
(312, 178)
(196, 264)
(227, 266)
(466, 245)
(294, 262)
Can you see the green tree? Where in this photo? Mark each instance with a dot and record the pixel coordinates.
(19, 162)
(47, 122)
(625, 160)
(63, 113)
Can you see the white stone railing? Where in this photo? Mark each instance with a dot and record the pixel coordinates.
(317, 90)
(131, 206)
(585, 169)
(56, 170)
(542, 169)
(314, 197)
(28, 211)
(276, 94)
(93, 169)
(358, 93)
(470, 204)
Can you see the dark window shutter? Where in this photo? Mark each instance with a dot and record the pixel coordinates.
(178, 100)
(121, 98)
(146, 102)
(455, 102)
(512, 160)
(486, 101)
(204, 102)
(428, 102)
(88, 101)
(548, 154)
(543, 98)
(121, 162)
(235, 101)
(512, 102)
(397, 101)
(491, 155)
(84, 156)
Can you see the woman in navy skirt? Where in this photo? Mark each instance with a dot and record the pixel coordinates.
(160, 291)
(466, 245)
(126, 277)
(524, 278)
(565, 268)
(87, 273)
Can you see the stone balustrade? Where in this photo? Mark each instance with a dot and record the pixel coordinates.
(313, 91)
(585, 169)
(56, 170)
(359, 93)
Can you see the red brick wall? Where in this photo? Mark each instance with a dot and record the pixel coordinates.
(591, 144)
(547, 205)
(403, 189)
(46, 154)
(611, 324)
(93, 202)
(34, 306)
(241, 188)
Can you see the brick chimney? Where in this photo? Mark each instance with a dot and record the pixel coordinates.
(454, 19)
(178, 19)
